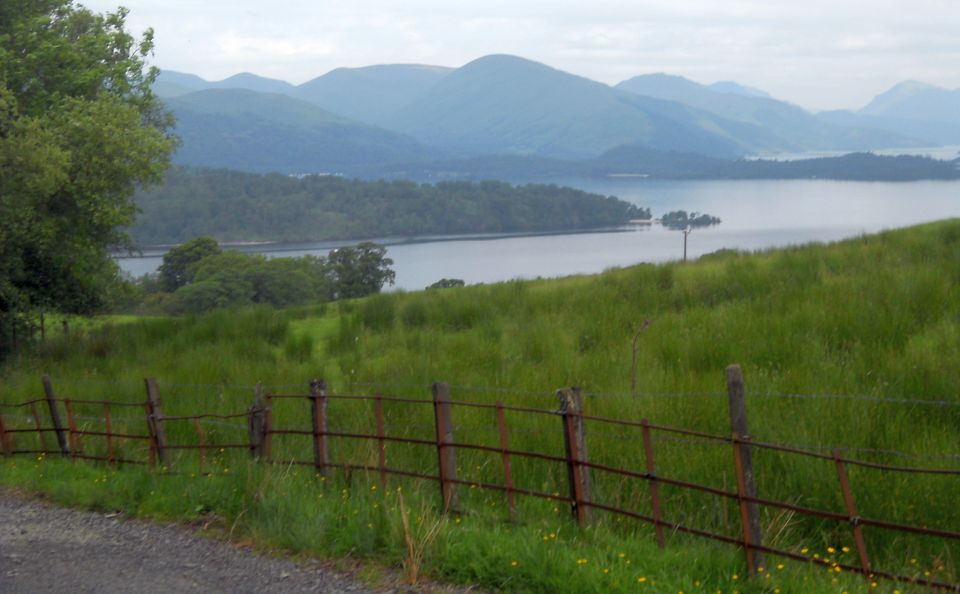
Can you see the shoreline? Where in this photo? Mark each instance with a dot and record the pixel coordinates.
(293, 246)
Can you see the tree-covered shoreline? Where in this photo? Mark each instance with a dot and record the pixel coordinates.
(233, 206)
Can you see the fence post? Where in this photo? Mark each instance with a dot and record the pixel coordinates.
(108, 429)
(55, 415)
(267, 444)
(575, 447)
(852, 515)
(446, 454)
(4, 443)
(507, 467)
(74, 437)
(39, 426)
(652, 480)
(155, 419)
(318, 415)
(257, 423)
(743, 465)
(381, 444)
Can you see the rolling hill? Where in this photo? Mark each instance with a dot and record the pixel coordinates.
(370, 94)
(263, 132)
(506, 104)
(796, 128)
(910, 108)
(171, 84)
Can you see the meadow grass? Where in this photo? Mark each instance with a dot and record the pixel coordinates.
(829, 337)
(282, 508)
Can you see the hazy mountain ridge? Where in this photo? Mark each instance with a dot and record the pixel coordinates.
(916, 101)
(795, 127)
(263, 132)
(371, 93)
(911, 108)
(506, 105)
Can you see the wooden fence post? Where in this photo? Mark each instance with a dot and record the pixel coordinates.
(39, 426)
(5, 441)
(507, 467)
(318, 415)
(55, 415)
(108, 429)
(654, 488)
(743, 465)
(155, 420)
(74, 437)
(852, 515)
(267, 444)
(257, 424)
(575, 447)
(381, 444)
(446, 454)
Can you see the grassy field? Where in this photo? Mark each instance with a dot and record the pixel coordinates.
(852, 344)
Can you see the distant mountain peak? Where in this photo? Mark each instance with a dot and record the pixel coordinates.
(916, 100)
(505, 61)
(911, 86)
(729, 86)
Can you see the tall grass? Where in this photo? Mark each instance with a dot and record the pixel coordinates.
(866, 321)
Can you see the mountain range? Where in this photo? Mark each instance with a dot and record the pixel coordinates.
(357, 118)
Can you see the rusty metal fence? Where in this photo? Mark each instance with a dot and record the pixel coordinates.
(122, 444)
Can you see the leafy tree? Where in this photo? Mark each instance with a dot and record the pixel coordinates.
(447, 283)
(176, 270)
(80, 130)
(679, 219)
(359, 271)
(226, 289)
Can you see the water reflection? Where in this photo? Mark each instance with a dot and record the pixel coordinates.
(756, 215)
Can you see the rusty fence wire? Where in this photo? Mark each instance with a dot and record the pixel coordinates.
(120, 433)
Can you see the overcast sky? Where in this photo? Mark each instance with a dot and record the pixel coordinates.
(821, 54)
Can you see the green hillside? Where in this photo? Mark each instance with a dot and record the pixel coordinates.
(850, 345)
(506, 104)
(372, 93)
(237, 206)
(171, 83)
(266, 132)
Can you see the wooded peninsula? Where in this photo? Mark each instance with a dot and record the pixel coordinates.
(236, 206)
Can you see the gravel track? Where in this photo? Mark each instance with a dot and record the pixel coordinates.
(50, 549)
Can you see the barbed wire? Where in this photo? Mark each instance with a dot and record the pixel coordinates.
(880, 399)
(941, 402)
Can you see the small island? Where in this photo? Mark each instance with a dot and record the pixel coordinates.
(678, 220)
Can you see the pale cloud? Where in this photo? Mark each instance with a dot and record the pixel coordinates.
(817, 53)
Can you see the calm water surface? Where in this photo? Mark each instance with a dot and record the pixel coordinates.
(756, 215)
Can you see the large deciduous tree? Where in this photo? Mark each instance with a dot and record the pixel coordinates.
(80, 130)
(359, 271)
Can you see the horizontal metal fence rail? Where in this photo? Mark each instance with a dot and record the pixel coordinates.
(262, 429)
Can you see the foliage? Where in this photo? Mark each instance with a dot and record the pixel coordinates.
(680, 219)
(653, 164)
(199, 276)
(175, 271)
(79, 131)
(231, 205)
(358, 271)
(447, 283)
